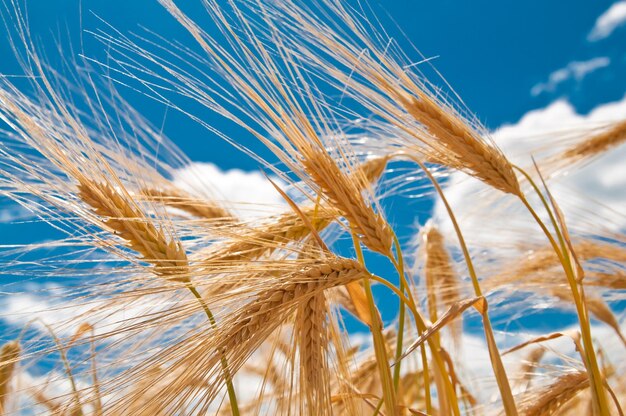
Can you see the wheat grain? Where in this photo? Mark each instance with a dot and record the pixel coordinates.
(441, 279)
(345, 196)
(471, 152)
(331, 273)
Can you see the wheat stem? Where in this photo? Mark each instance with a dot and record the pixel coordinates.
(68, 370)
(380, 349)
(232, 395)
(499, 371)
(599, 395)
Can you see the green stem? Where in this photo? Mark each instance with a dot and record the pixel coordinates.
(380, 347)
(599, 397)
(399, 265)
(503, 383)
(401, 315)
(68, 369)
(434, 347)
(227, 376)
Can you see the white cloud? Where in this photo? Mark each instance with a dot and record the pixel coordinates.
(249, 194)
(576, 70)
(477, 365)
(41, 305)
(608, 21)
(599, 185)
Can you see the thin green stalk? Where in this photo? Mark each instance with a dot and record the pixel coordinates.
(434, 347)
(399, 265)
(380, 347)
(599, 396)
(501, 378)
(232, 396)
(68, 369)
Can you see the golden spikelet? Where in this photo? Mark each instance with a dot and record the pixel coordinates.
(141, 235)
(312, 340)
(8, 359)
(454, 136)
(197, 207)
(548, 400)
(540, 260)
(344, 194)
(596, 144)
(442, 282)
(616, 280)
(305, 284)
(371, 170)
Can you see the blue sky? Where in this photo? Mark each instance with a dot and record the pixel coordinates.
(491, 53)
(504, 59)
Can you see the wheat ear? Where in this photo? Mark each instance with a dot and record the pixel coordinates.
(312, 340)
(8, 358)
(541, 260)
(301, 287)
(471, 152)
(549, 399)
(596, 144)
(141, 235)
(197, 207)
(344, 194)
(441, 279)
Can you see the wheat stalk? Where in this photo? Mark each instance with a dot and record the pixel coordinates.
(303, 285)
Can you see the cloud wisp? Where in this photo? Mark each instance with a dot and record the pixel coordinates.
(575, 70)
(608, 22)
(249, 194)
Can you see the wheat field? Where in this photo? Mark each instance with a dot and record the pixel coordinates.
(180, 302)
